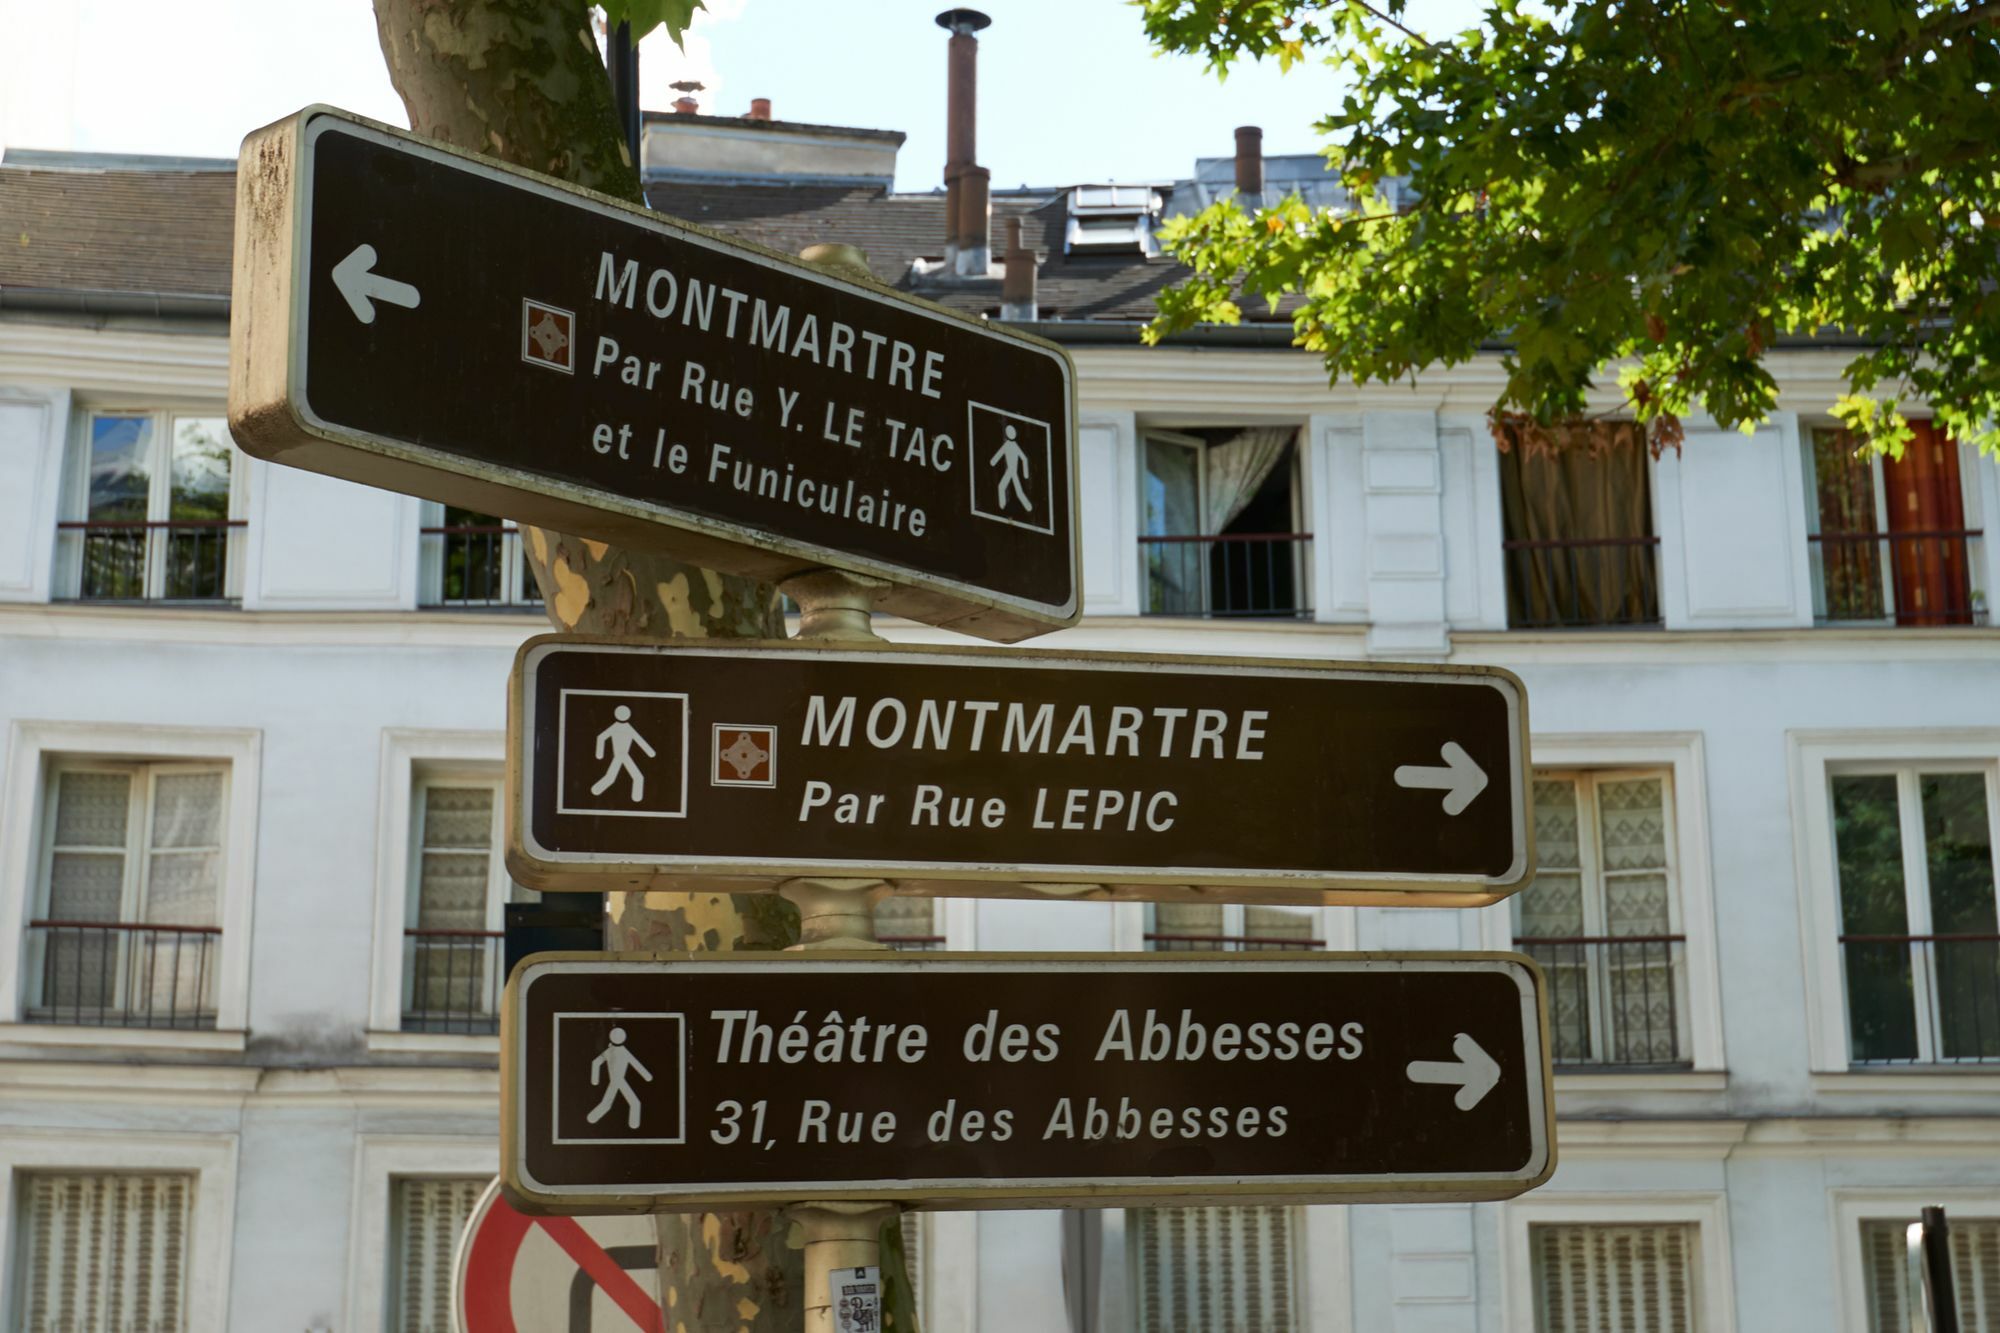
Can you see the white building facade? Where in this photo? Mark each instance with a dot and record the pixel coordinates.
(250, 886)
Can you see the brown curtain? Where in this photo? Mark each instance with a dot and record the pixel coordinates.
(1933, 586)
(1579, 528)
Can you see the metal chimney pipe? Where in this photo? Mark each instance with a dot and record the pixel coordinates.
(961, 119)
(1250, 161)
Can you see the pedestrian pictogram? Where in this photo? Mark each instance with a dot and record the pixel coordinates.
(623, 753)
(548, 336)
(616, 1063)
(1010, 468)
(745, 756)
(620, 737)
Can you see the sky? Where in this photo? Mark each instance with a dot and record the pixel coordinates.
(1069, 90)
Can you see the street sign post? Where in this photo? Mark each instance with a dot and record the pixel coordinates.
(694, 1081)
(420, 319)
(973, 771)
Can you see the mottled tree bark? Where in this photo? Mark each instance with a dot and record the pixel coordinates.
(522, 81)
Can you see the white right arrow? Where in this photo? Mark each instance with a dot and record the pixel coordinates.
(1473, 1073)
(1460, 779)
(363, 288)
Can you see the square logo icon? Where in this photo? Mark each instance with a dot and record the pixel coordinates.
(1012, 468)
(622, 752)
(548, 336)
(744, 755)
(619, 1077)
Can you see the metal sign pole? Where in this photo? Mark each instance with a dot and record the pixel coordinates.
(1931, 1297)
(836, 914)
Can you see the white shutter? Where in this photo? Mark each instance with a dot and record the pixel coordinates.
(1213, 1270)
(913, 1254)
(87, 871)
(426, 1218)
(176, 970)
(1613, 1278)
(906, 922)
(448, 974)
(104, 1251)
(1975, 1271)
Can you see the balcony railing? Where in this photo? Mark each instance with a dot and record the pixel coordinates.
(452, 980)
(1614, 1000)
(1581, 582)
(1923, 999)
(913, 943)
(476, 565)
(1175, 943)
(1260, 575)
(1866, 576)
(181, 560)
(121, 974)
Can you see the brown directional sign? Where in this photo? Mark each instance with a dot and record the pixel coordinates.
(688, 1081)
(974, 770)
(420, 319)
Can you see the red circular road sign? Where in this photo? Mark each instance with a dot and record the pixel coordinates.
(519, 1274)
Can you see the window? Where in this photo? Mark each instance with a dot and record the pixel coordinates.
(1975, 1271)
(1892, 539)
(1578, 531)
(469, 559)
(908, 923)
(151, 510)
(126, 928)
(104, 1250)
(1919, 934)
(426, 1217)
(1598, 1277)
(1221, 1270)
(1603, 917)
(1183, 927)
(1222, 524)
(453, 935)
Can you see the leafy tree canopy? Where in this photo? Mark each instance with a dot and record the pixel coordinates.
(1663, 186)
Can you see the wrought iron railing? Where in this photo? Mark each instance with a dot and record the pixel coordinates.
(912, 943)
(1580, 582)
(1861, 573)
(121, 974)
(452, 980)
(476, 565)
(1259, 575)
(116, 561)
(1614, 1000)
(1923, 999)
(1164, 942)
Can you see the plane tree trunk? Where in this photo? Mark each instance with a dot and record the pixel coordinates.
(522, 81)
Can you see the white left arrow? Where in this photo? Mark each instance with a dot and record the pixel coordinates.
(1460, 779)
(1473, 1073)
(363, 288)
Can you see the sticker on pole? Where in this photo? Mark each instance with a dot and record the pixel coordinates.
(856, 1294)
(520, 1274)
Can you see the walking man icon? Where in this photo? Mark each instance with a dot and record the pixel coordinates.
(615, 1063)
(621, 736)
(1015, 459)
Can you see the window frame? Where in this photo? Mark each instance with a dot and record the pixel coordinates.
(1683, 756)
(379, 1161)
(1850, 1208)
(410, 758)
(1590, 868)
(34, 750)
(209, 1158)
(1304, 562)
(1815, 757)
(74, 501)
(1916, 885)
(1132, 921)
(517, 590)
(1714, 1304)
(499, 883)
(135, 878)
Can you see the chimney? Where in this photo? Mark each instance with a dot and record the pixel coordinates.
(1017, 289)
(1250, 161)
(685, 105)
(966, 237)
(760, 109)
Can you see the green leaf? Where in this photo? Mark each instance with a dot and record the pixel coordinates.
(646, 15)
